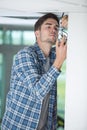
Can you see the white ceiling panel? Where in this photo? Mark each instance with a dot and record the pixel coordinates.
(35, 8)
(25, 7)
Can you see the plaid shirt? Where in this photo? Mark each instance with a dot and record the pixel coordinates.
(28, 86)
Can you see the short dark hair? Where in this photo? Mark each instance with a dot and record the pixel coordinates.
(40, 21)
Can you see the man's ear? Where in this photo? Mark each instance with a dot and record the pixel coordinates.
(37, 33)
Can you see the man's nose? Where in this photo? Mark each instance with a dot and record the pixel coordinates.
(54, 30)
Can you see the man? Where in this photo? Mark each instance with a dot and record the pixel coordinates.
(31, 101)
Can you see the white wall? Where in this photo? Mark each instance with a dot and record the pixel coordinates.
(76, 75)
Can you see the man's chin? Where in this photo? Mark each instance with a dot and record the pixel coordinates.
(52, 43)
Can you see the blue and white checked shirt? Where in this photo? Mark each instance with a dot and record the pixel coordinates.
(28, 86)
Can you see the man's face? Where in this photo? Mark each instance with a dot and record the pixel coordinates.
(48, 31)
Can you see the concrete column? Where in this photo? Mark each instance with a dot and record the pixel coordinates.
(76, 73)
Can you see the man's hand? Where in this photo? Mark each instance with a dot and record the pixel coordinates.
(61, 51)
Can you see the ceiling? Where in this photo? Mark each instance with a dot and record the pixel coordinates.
(27, 11)
(24, 7)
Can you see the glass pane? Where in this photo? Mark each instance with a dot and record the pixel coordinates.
(1, 58)
(0, 108)
(61, 97)
(28, 38)
(16, 37)
(1, 37)
(0, 73)
(7, 39)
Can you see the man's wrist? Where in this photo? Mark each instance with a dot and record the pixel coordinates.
(57, 65)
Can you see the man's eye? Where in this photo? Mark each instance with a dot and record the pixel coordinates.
(56, 29)
(48, 27)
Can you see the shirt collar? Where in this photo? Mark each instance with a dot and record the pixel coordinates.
(41, 54)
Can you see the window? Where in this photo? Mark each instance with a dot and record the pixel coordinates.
(28, 37)
(1, 85)
(1, 37)
(14, 39)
